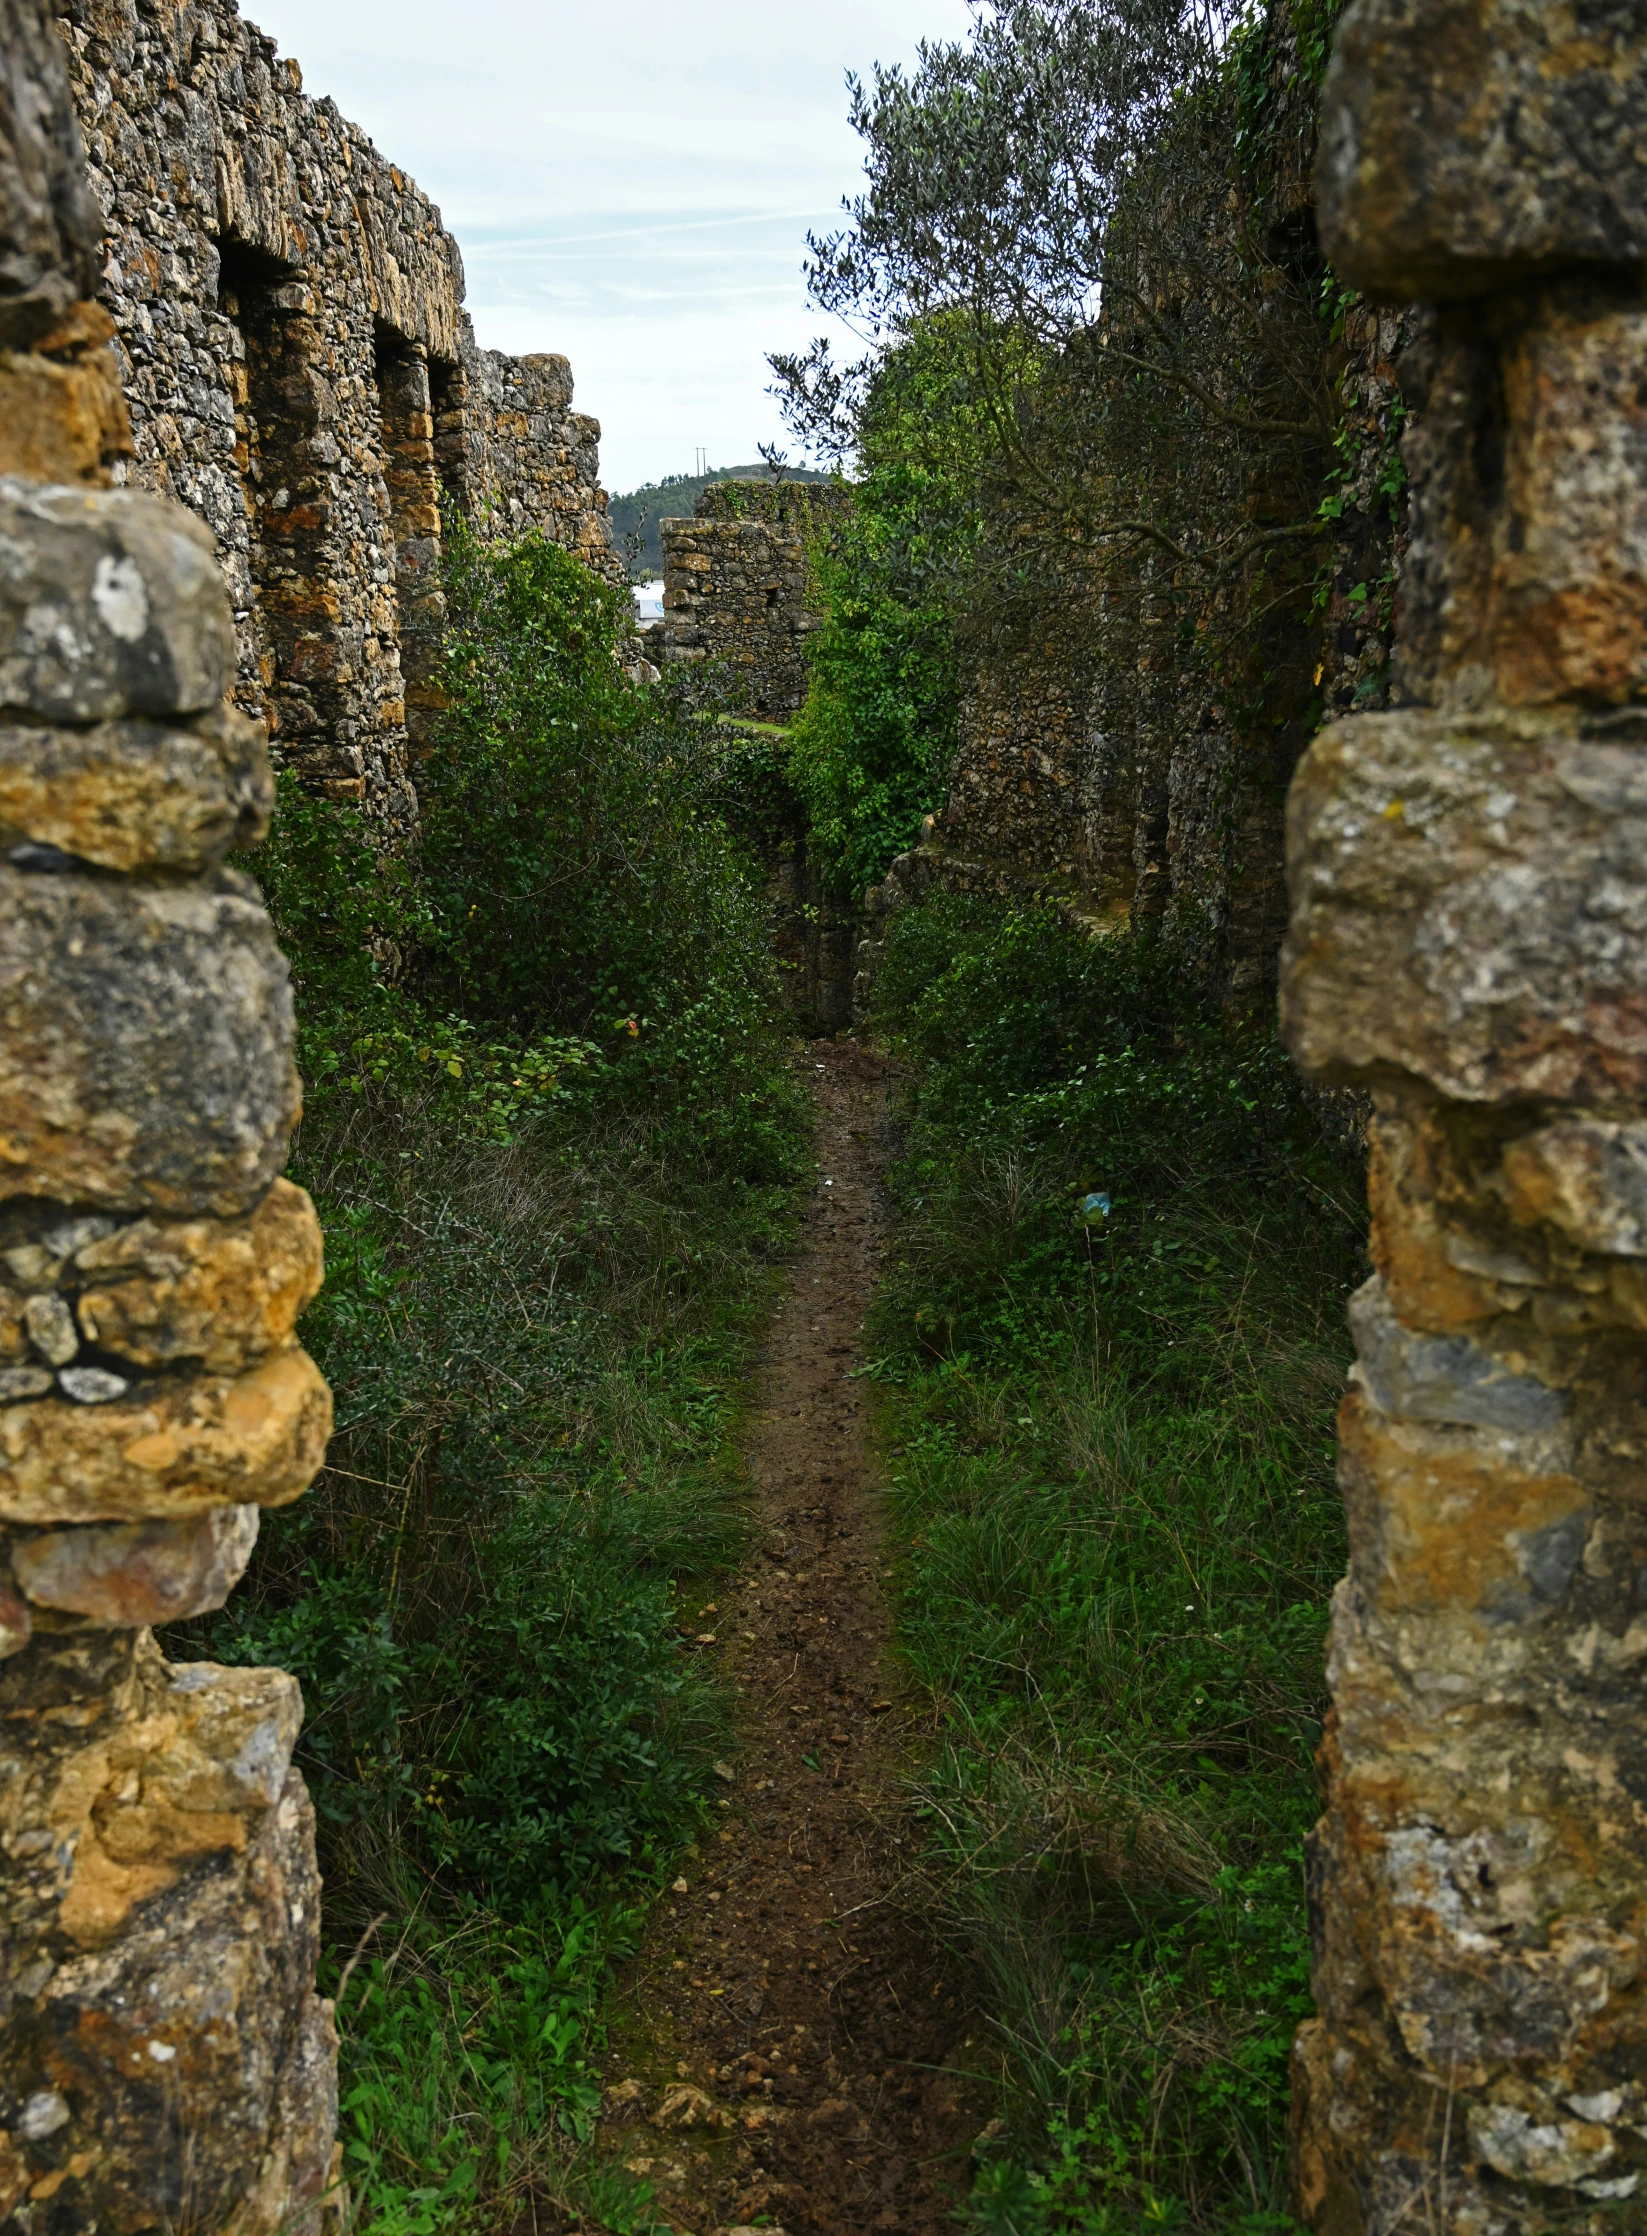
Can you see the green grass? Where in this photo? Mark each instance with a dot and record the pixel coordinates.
(1113, 1487)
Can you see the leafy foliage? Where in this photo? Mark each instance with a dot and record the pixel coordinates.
(871, 749)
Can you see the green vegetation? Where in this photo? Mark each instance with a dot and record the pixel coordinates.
(553, 1137)
(1110, 1347)
(872, 746)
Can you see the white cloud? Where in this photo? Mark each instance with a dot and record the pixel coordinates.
(630, 185)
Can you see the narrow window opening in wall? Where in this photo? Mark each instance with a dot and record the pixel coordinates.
(253, 291)
(412, 485)
(772, 597)
(446, 393)
(296, 668)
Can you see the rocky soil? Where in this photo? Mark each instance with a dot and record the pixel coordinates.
(794, 2048)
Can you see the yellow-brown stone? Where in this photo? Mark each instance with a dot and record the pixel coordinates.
(63, 415)
(179, 1448)
(137, 795)
(221, 1291)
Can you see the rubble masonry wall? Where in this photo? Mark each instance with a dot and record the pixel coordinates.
(736, 592)
(164, 2060)
(1469, 943)
(302, 375)
(1099, 765)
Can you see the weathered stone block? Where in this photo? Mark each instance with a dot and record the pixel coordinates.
(1587, 1177)
(171, 1449)
(209, 1993)
(49, 226)
(1474, 1945)
(126, 1575)
(1533, 1231)
(1447, 1379)
(1570, 584)
(1469, 144)
(145, 1044)
(1469, 907)
(111, 604)
(135, 795)
(118, 1770)
(223, 1293)
(1487, 1531)
(158, 1933)
(64, 420)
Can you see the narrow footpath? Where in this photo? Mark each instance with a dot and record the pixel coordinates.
(793, 2042)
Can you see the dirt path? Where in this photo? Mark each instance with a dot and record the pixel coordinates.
(790, 2034)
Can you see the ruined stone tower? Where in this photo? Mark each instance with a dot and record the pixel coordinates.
(1469, 941)
(164, 2061)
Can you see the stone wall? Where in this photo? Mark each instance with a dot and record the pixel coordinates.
(302, 375)
(1469, 943)
(736, 595)
(164, 2061)
(1101, 761)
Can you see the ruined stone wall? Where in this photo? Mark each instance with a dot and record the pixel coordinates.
(1015, 794)
(736, 594)
(164, 2061)
(1469, 943)
(302, 375)
(1103, 759)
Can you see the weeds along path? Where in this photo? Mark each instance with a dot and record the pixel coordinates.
(790, 2034)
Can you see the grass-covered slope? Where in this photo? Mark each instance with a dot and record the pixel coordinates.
(1111, 1346)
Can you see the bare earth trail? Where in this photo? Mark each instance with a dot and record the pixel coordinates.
(791, 2035)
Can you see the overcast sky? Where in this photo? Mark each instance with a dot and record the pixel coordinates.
(630, 184)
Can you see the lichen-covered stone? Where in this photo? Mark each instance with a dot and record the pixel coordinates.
(172, 1447)
(222, 1292)
(1468, 146)
(163, 2056)
(63, 417)
(145, 1043)
(1468, 938)
(1469, 903)
(111, 604)
(1527, 575)
(163, 2060)
(137, 795)
(1570, 583)
(1587, 1177)
(49, 231)
(1444, 1379)
(128, 1575)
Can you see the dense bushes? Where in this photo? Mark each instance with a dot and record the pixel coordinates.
(1111, 1342)
(551, 1131)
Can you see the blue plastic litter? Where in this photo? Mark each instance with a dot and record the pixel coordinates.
(1093, 1208)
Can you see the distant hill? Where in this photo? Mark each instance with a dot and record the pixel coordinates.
(673, 499)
